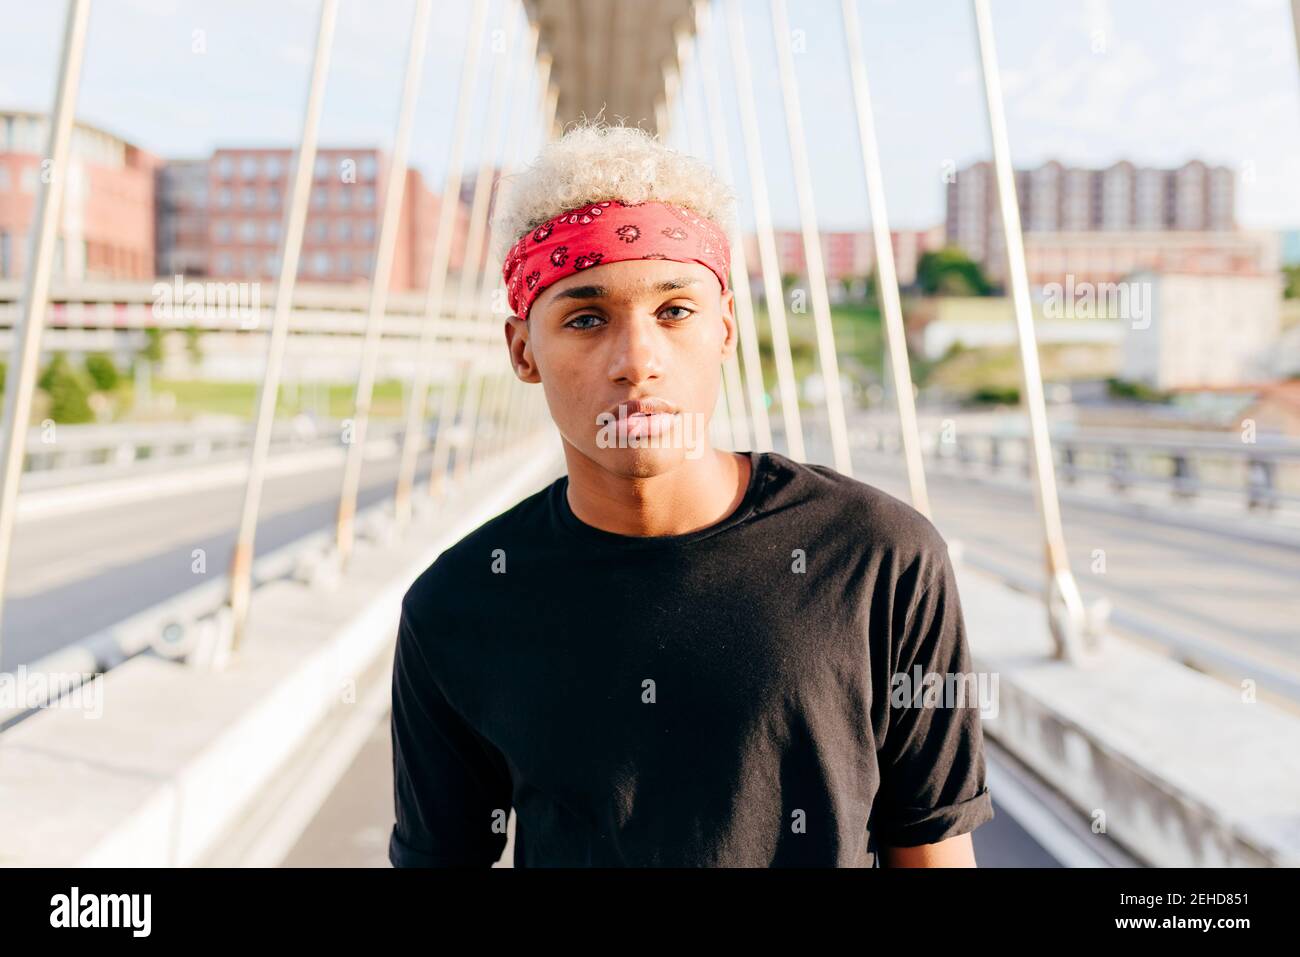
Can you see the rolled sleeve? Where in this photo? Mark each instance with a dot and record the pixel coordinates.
(932, 757)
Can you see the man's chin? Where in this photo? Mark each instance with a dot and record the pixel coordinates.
(640, 462)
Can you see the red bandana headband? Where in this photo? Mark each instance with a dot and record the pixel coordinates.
(609, 232)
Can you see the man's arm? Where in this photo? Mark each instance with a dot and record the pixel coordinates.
(933, 792)
(451, 787)
(956, 851)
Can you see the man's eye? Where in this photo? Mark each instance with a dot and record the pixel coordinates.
(684, 310)
(577, 321)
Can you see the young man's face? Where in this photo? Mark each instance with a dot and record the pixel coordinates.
(637, 329)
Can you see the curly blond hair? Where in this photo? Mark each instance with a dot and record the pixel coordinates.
(594, 162)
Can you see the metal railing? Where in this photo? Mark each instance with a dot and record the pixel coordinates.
(96, 452)
(1261, 475)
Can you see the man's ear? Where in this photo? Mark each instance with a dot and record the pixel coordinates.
(731, 329)
(521, 350)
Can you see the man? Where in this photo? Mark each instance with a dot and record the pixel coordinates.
(673, 655)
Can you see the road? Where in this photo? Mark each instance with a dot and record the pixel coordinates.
(74, 574)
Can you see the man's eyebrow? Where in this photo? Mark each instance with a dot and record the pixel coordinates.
(596, 292)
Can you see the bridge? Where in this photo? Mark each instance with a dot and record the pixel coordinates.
(198, 618)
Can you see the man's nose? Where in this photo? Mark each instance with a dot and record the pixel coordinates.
(637, 351)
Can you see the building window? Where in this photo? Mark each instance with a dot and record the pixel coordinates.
(344, 197)
(249, 197)
(250, 264)
(273, 167)
(248, 167)
(273, 198)
(272, 264)
(225, 264)
(345, 264)
(323, 167)
(368, 231)
(248, 231)
(367, 197)
(225, 167)
(221, 230)
(368, 168)
(320, 264)
(319, 197)
(318, 231)
(343, 230)
(272, 231)
(224, 198)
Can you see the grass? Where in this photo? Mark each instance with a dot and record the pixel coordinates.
(333, 400)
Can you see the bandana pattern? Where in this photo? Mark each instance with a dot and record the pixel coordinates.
(609, 232)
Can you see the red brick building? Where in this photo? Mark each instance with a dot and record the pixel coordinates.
(246, 192)
(107, 224)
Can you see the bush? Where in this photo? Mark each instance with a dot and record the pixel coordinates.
(102, 371)
(993, 395)
(950, 272)
(1134, 391)
(152, 350)
(69, 392)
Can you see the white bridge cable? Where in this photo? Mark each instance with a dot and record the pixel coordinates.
(886, 272)
(21, 383)
(435, 290)
(1065, 604)
(787, 386)
(744, 300)
(379, 280)
(812, 243)
(295, 218)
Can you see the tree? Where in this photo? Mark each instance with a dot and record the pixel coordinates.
(193, 344)
(152, 350)
(102, 371)
(69, 392)
(1291, 277)
(950, 272)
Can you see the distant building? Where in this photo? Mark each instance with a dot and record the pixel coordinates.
(1203, 330)
(106, 228)
(222, 217)
(1101, 257)
(182, 228)
(848, 255)
(1057, 199)
(936, 324)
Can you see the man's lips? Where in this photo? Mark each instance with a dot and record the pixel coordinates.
(648, 405)
(643, 417)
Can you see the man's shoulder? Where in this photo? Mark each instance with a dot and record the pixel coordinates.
(857, 508)
(461, 567)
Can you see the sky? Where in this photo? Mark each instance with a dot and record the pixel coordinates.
(1086, 82)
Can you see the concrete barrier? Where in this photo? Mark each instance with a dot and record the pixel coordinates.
(179, 754)
(1180, 768)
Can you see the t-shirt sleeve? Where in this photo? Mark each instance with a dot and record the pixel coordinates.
(451, 787)
(932, 756)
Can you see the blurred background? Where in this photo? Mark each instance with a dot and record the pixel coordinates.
(1032, 266)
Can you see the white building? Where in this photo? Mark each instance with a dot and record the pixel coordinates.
(1203, 331)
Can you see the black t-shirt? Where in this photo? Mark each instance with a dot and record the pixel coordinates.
(724, 697)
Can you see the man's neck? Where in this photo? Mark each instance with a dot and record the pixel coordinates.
(698, 493)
